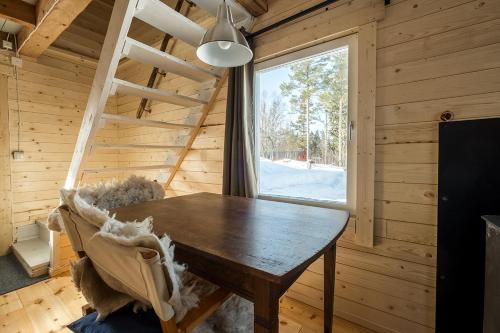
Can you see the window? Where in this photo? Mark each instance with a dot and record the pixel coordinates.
(304, 116)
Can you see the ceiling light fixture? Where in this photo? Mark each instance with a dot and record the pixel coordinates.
(223, 45)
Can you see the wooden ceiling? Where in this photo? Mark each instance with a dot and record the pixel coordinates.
(80, 30)
(79, 26)
(20, 12)
(86, 33)
(85, 36)
(41, 22)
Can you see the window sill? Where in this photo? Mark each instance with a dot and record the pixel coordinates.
(323, 204)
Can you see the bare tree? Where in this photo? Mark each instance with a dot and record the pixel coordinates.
(272, 123)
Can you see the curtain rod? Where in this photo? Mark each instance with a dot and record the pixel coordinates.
(296, 16)
(291, 18)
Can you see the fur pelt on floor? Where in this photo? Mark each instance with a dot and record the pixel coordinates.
(98, 294)
(93, 202)
(234, 316)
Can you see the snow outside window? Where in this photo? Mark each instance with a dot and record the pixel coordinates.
(303, 124)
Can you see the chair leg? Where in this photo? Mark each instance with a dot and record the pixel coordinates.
(168, 326)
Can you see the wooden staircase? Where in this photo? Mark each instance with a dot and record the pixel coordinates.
(118, 45)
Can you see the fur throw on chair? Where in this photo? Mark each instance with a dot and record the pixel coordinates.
(185, 289)
(92, 204)
(106, 196)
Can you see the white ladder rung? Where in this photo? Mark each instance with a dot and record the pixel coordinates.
(166, 19)
(129, 88)
(132, 146)
(143, 122)
(144, 167)
(149, 55)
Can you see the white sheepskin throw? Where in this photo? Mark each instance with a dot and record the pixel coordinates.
(185, 288)
(106, 196)
(92, 204)
(234, 316)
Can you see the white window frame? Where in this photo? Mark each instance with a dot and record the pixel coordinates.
(351, 41)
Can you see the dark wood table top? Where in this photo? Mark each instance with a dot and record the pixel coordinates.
(269, 239)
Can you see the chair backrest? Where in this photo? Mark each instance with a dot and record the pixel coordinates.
(78, 233)
(133, 270)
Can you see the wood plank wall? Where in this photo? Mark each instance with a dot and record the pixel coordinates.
(202, 168)
(5, 188)
(432, 56)
(52, 98)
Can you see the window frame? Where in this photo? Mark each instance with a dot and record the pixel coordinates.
(351, 41)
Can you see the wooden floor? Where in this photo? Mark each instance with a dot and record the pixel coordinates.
(48, 306)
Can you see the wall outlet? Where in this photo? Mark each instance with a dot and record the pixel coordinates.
(15, 61)
(18, 154)
(7, 45)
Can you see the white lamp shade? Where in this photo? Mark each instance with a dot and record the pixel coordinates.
(223, 45)
(213, 54)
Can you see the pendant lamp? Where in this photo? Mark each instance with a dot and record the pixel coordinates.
(223, 45)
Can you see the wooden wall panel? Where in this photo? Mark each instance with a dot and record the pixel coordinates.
(432, 57)
(317, 28)
(5, 169)
(52, 98)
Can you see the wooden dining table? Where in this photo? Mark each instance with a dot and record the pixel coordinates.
(254, 248)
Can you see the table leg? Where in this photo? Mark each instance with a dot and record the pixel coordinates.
(330, 256)
(266, 307)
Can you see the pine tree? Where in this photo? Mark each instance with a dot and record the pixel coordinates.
(333, 101)
(315, 145)
(304, 83)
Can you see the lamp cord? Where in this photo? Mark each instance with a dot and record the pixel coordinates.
(16, 75)
(16, 78)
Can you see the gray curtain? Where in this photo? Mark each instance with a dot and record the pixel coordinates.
(239, 177)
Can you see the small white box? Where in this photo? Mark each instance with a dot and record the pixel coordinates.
(15, 61)
(18, 154)
(7, 45)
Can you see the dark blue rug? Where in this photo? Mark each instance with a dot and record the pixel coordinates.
(121, 321)
(13, 276)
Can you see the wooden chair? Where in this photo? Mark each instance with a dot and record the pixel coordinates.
(197, 315)
(193, 318)
(145, 278)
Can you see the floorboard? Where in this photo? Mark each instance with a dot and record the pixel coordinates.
(50, 305)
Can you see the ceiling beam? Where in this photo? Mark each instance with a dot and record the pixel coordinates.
(53, 17)
(254, 7)
(18, 11)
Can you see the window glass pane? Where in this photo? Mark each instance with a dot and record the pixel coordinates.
(302, 115)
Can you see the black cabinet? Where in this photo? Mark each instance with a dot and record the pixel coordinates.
(491, 322)
(469, 187)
